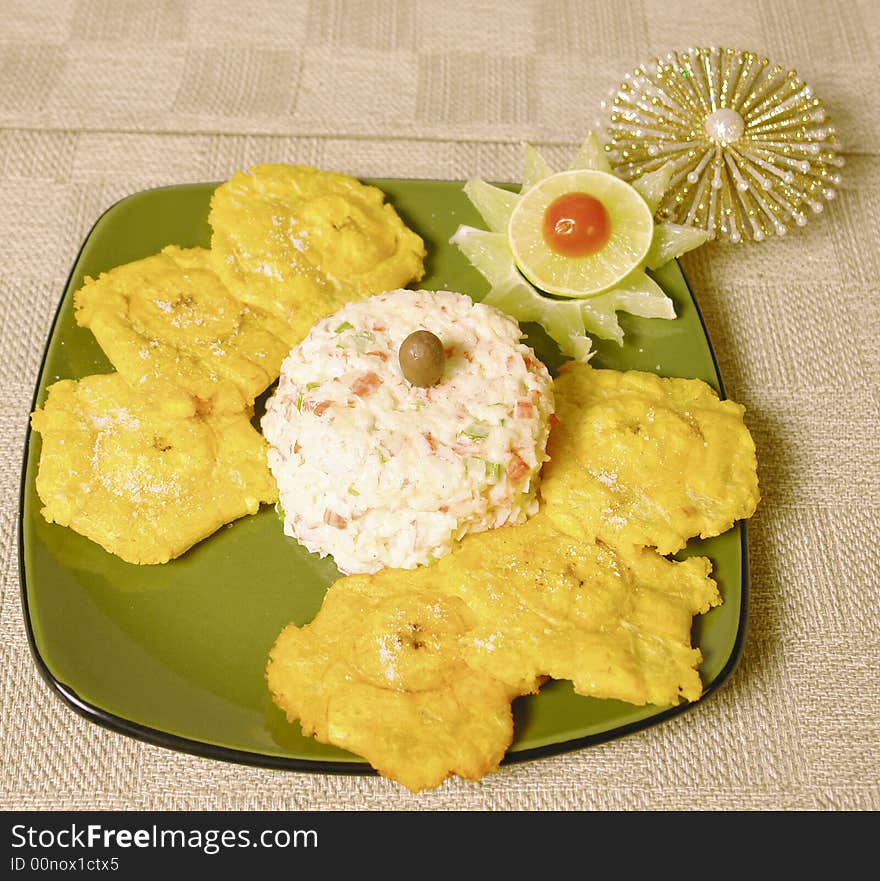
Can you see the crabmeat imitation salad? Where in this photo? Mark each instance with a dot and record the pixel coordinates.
(378, 470)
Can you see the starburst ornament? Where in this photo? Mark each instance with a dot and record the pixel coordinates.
(750, 146)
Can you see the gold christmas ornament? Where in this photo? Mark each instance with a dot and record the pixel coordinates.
(749, 146)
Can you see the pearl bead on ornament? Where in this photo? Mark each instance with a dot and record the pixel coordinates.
(724, 126)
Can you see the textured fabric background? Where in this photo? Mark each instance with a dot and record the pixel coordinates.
(101, 98)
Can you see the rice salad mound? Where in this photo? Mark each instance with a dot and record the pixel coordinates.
(378, 472)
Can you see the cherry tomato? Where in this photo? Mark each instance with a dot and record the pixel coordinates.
(576, 225)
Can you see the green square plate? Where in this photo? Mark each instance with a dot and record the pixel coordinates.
(175, 654)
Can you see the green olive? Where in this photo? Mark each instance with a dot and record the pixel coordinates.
(422, 358)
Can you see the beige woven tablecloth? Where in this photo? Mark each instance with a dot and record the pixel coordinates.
(101, 98)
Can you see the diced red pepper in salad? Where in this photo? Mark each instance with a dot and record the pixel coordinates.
(517, 469)
(331, 518)
(366, 384)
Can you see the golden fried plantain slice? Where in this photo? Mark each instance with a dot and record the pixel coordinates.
(644, 460)
(172, 329)
(415, 669)
(617, 624)
(301, 243)
(143, 485)
(379, 672)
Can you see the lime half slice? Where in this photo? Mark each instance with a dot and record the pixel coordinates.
(579, 232)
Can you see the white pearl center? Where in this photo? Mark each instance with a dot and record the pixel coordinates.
(724, 126)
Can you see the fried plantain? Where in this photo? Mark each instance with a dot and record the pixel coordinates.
(642, 460)
(301, 243)
(379, 672)
(415, 669)
(616, 624)
(172, 329)
(144, 485)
